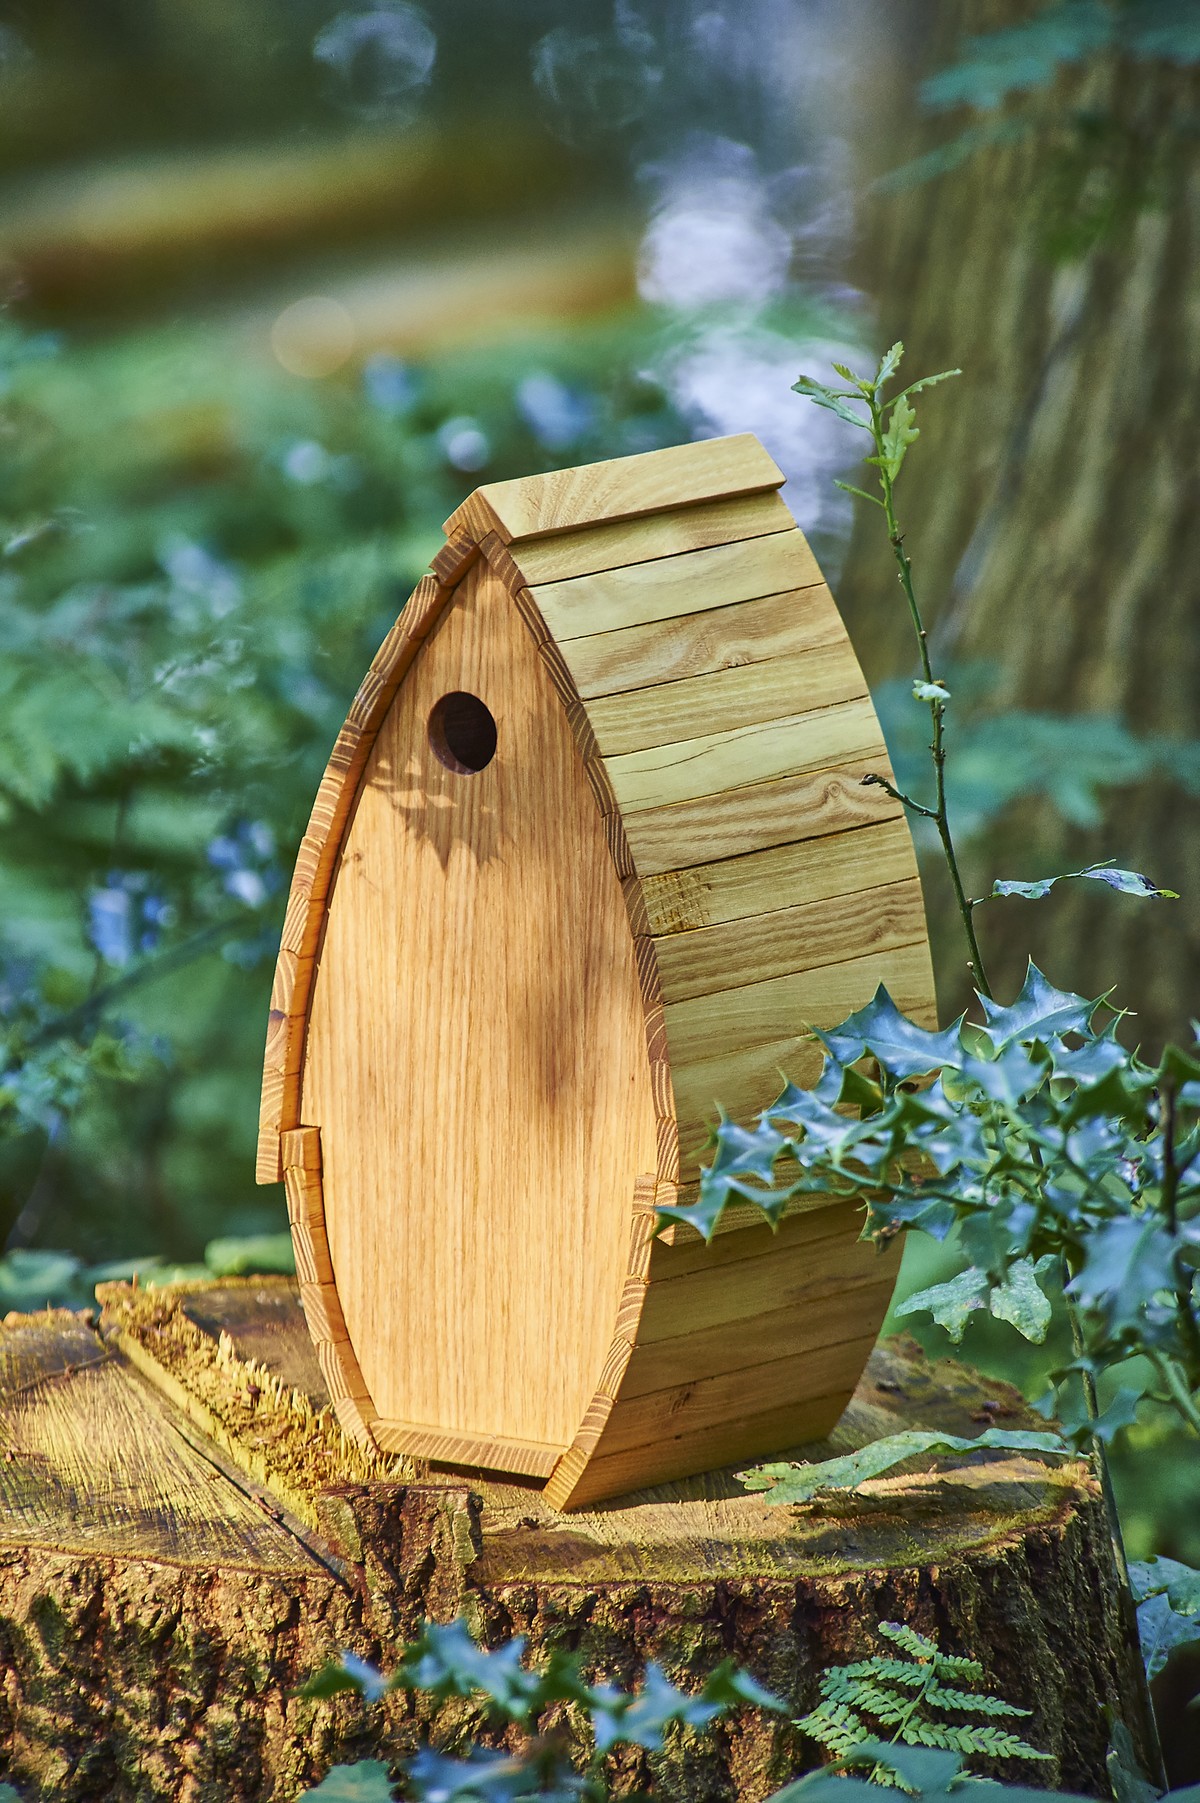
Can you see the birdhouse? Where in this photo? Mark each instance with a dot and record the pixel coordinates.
(592, 852)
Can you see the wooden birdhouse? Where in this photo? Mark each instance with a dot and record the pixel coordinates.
(592, 851)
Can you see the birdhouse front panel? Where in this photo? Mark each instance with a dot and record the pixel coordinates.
(593, 852)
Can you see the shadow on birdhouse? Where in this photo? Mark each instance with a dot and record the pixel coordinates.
(592, 850)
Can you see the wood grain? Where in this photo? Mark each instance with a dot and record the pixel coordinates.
(713, 763)
(671, 587)
(811, 870)
(483, 1452)
(655, 535)
(718, 638)
(726, 700)
(478, 968)
(623, 488)
(789, 940)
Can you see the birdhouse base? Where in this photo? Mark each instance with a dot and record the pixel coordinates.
(187, 1535)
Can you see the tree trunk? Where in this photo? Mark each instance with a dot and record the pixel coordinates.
(177, 1555)
(1050, 510)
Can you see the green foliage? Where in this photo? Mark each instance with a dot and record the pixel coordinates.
(31, 1280)
(913, 1697)
(1042, 1139)
(1068, 761)
(1097, 165)
(792, 1483)
(446, 1662)
(198, 557)
(1167, 1594)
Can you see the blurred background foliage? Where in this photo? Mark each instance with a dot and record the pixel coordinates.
(284, 280)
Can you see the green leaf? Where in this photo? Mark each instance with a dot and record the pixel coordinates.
(1179, 1583)
(860, 492)
(727, 1686)
(1020, 1300)
(792, 1483)
(901, 432)
(951, 1303)
(366, 1781)
(1129, 1783)
(889, 363)
(336, 1676)
(1040, 1012)
(252, 1255)
(1161, 1630)
(1126, 882)
(900, 1045)
(831, 400)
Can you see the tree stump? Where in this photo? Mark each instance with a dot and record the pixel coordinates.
(187, 1535)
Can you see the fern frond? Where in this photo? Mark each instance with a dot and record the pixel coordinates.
(895, 1671)
(993, 1743)
(909, 1639)
(941, 1697)
(836, 1726)
(952, 1665)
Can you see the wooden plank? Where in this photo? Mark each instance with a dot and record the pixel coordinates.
(811, 870)
(673, 586)
(489, 1452)
(736, 1048)
(724, 700)
(752, 1434)
(758, 816)
(834, 1220)
(657, 535)
(805, 937)
(716, 638)
(757, 1340)
(713, 763)
(715, 1404)
(478, 965)
(794, 1277)
(622, 488)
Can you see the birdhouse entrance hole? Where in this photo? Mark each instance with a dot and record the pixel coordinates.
(462, 733)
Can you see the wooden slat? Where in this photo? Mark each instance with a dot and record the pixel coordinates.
(526, 1457)
(718, 638)
(659, 535)
(795, 1276)
(835, 1220)
(713, 763)
(730, 1049)
(674, 586)
(812, 870)
(724, 700)
(751, 1434)
(758, 1339)
(713, 1404)
(622, 488)
(812, 934)
(758, 816)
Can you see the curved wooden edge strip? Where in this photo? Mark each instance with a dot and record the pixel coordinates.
(318, 1293)
(565, 1477)
(527, 1458)
(294, 970)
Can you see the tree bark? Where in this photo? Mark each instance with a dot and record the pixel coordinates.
(177, 1555)
(1050, 510)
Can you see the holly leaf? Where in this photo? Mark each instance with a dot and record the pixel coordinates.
(482, 1777)
(1161, 1629)
(792, 1483)
(1020, 1299)
(951, 1303)
(899, 1044)
(1040, 1012)
(1179, 1583)
(727, 1686)
(347, 1673)
(640, 1721)
(1127, 1261)
(1126, 882)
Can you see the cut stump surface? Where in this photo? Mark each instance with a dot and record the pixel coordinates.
(187, 1534)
